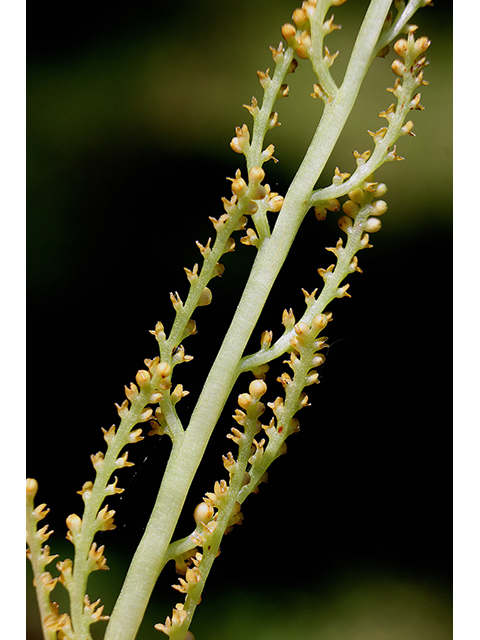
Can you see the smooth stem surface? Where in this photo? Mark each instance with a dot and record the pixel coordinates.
(186, 457)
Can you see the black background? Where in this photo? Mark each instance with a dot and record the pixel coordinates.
(365, 488)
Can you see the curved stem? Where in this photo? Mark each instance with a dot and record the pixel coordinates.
(185, 459)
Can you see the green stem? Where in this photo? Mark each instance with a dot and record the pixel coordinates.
(260, 125)
(225, 511)
(34, 542)
(83, 542)
(399, 24)
(185, 459)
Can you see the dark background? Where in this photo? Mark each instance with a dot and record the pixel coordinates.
(130, 114)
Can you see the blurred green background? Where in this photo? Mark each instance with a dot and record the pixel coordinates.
(130, 112)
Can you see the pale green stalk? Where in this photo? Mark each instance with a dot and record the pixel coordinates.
(90, 526)
(185, 459)
(39, 556)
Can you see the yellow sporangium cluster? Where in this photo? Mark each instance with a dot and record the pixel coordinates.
(298, 36)
(305, 358)
(173, 623)
(409, 70)
(359, 198)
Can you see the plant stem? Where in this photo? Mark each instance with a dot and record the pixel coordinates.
(186, 457)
